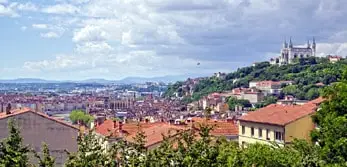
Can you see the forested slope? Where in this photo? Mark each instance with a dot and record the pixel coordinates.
(305, 73)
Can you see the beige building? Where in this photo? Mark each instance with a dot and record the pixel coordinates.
(278, 123)
(37, 127)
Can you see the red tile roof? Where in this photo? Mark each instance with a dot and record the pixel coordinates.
(107, 128)
(281, 115)
(155, 134)
(25, 110)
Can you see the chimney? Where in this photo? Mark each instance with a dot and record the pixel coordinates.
(120, 126)
(114, 124)
(8, 109)
(96, 123)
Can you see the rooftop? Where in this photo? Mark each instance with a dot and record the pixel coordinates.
(281, 114)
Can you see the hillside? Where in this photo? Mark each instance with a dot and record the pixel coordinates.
(305, 73)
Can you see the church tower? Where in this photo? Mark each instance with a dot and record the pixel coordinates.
(314, 47)
(290, 43)
(285, 45)
(308, 44)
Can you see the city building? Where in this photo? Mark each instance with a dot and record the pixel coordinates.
(269, 87)
(334, 59)
(36, 127)
(278, 123)
(289, 53)
(253, 95)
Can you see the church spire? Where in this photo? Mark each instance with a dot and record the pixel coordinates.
(285, 45)
(308, 44)
(290, 42)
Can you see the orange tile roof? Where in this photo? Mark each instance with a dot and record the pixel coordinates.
(281, 115)
(221, 128)
(155, 134)
(25, 110)
(107, 128)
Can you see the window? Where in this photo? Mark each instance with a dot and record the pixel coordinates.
(267, 134)
(243, 130)
(260, 133)
(279, 136)
(252, 131)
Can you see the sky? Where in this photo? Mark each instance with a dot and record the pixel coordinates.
(113, 39)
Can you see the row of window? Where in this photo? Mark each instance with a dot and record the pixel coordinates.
(277, 135)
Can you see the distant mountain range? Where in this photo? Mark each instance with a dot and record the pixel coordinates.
(128, 80)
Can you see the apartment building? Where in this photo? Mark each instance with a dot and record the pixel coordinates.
(278, 123)
(36, 127)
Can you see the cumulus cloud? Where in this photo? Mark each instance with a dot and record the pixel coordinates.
(40, 26)
(24, 28)
(61, 9)
(50, 35)
(89, 33)
(171, 36)
(7, 11)
(27, 7)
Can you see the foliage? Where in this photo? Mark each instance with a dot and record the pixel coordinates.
(306, 73)
(45, 160)
(12, 151)
(233, 102)
(90, 153)
(77, 116)
(332, 122)
(267, 101)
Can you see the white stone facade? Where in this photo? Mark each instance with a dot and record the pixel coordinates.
(289, 53)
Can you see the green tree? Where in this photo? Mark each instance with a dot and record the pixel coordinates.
(79, 116)
(45, 160)
(332, 122)
(91, 152)
(12, 151)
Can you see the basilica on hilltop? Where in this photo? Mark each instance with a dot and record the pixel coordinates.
(289, 52)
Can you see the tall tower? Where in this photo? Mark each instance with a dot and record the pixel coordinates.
(314, 47)
(308, 44)
(285, 45)
(290, 43)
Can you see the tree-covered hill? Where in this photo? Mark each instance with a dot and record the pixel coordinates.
(305, 73)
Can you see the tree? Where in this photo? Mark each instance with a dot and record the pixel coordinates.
(332, 122)
(12, 151)
(79, 116)
(45, 160)
(90, 153)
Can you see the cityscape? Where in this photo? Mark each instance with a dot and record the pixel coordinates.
(172, 83)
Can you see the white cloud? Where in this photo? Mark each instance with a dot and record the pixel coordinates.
(61, 9)
(93, 48)
(7, 11)
(161, 37)
(89, 33)
(27, 7)
(3, 1)
(324, 49)
(24, 28)
(40, 26)
(49, 35)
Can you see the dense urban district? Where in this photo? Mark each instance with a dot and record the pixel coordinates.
(289, 111)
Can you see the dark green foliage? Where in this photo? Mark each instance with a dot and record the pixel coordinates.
(306, 72)
(90, 152)
(267, 101)
(12, 151)
(332, 121)
(45, 160)
(233, 102)
(79, 116)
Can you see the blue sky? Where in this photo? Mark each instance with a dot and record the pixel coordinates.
(80, 39)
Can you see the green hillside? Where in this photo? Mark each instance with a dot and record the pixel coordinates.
(305, 73)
